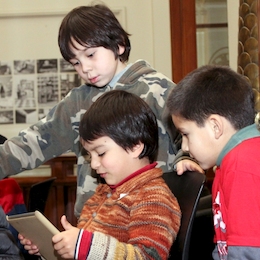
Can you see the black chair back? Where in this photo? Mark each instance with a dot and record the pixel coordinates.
(38, 195)
(187, 189)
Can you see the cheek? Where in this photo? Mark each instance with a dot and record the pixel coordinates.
(108, 161)
(194, 143)
(79, 71)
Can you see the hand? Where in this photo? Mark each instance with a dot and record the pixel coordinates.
(187, 165)
(28, 245)
(65, 242)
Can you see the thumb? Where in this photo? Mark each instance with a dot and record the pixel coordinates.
(64, 222)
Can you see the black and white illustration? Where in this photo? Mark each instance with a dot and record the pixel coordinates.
(24, 91)
(68, 82)
(6, 92)
(28, 116)
(66, 66)
(6, 117)
(30, 88)
(5, 68)
(48, 93)
(47, 66)
(24, 66)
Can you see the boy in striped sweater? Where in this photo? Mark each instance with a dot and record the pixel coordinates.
(133, 215)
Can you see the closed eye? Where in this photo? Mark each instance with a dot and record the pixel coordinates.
(91, 55)
(101, 154)
(74, 62)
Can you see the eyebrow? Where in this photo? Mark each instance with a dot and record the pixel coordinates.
(85, 48)
(95, 147)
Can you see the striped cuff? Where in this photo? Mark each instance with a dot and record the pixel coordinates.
(83, 244)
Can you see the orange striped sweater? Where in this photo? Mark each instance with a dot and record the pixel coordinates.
(139, 220)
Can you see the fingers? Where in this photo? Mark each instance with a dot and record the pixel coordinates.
(64, 222)
(188, 165)
(28, 245)
(65, 241)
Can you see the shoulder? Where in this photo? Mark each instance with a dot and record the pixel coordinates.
(84, 95)
(142, 71)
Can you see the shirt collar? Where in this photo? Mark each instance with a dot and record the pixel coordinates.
(144, 169)
(245, 133)
(115, 79)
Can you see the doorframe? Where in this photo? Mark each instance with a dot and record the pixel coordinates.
(183, 37)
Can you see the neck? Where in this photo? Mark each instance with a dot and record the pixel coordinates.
(143, 169)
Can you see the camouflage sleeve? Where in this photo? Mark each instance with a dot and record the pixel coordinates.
(48, 138)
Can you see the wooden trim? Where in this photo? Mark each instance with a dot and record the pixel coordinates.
(212, 25)
(183, 38)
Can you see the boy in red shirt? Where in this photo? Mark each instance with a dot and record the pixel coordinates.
(213, 108)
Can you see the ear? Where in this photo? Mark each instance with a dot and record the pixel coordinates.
(216, 124)
(137, 150)
(121, 49)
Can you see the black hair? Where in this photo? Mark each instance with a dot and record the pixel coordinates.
(125, 118)
(213, 90)
(93, 26)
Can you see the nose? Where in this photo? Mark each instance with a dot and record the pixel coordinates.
(95, 162)
(86, 67)
(184, 145)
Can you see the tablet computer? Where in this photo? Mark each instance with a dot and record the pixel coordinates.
(36, 227)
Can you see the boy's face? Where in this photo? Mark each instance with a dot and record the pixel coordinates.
(96, 65)
(110, 160)
(199, 142)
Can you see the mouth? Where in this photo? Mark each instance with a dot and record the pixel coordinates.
(93, 80)
(102, 175)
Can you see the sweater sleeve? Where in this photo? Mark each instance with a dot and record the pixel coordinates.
(57, 133)
(108, 247)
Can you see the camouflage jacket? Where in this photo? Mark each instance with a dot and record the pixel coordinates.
(58, 132)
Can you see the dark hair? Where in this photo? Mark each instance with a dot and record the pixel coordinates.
(125, 118)
(93, 26)
(213, 90)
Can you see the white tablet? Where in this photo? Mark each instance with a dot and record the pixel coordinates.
(36, 227)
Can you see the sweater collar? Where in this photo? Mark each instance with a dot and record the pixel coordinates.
(243, 134)
(136, 70)
(144, 169)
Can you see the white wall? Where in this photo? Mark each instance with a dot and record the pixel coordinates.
(233, 10)
(29, 30)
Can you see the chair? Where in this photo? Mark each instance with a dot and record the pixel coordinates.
(187, 189)
(202, 231)
(38, 195)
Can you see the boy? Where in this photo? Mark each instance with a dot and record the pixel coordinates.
(134, 215)
(213, 107)
(91, 38)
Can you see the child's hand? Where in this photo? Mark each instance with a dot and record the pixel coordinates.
(65, 242)
(31, 248)
(187, 165)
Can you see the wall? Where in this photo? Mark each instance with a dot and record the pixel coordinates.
(29, 30)
(233, 9)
